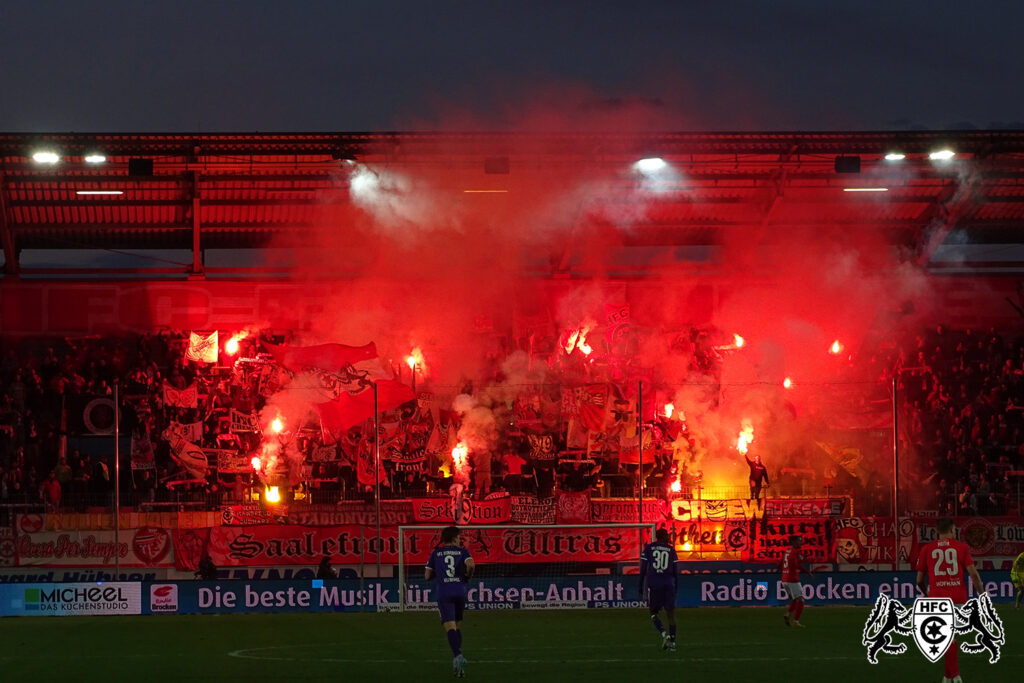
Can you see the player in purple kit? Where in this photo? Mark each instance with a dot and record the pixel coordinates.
(658, 574)
(452, 566)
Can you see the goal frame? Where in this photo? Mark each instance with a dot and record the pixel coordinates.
(650, 527)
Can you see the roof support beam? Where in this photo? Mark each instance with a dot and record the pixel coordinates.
(952, 208)
(197, 251)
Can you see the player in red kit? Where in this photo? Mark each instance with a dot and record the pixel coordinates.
(792, 565)
(940, 574)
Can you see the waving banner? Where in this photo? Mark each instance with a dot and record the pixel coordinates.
(181, 398)
(202, 349)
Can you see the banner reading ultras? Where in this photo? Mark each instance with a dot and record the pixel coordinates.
(290, 544)
(70, 599)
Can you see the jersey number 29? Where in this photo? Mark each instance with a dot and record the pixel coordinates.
(945, 561)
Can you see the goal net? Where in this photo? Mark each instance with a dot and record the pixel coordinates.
(531, 566)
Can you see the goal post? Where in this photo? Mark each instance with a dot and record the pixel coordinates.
(537, 566)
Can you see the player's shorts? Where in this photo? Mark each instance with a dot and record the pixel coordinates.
(451, 608)
(794, 589)
(661, 597)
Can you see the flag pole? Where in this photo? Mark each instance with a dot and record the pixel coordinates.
(640, 453)
(895, 474)
(117, 482)
(376, 471)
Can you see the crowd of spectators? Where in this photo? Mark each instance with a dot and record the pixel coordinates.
(962, 409)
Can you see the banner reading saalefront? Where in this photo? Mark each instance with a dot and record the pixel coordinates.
(289, 544)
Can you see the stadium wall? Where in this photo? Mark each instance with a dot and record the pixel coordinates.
(44, 308)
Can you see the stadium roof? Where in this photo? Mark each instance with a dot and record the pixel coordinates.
(201, 193)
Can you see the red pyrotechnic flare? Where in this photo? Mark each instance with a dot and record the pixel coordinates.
(231, 345)
(676, 486)
(277, 425)
(668, 409)
(459, 454)
(738, 339)
(787, 383)
(578, 340)
(836, 348)
(415, 359)
(745, 438)
(256, 463)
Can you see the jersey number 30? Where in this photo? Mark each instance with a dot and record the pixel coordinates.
(660, 556)
(945, 561)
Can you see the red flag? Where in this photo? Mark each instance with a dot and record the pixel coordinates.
(349, 409)
(331, 357)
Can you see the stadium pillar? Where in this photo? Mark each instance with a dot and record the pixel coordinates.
(640, 459)
(376, 472)
(895, 474)
(117, 481)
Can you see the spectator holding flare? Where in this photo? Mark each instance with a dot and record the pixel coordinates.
(758, 475)
(792, 565)
(451, 565)
(659, 576)
(940, 574)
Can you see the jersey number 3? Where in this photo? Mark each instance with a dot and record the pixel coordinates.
(449, 561)
(945, 561)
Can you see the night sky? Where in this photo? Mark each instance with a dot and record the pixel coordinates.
(371, 66)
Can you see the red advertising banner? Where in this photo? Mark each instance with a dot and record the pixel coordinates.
(142, 547)
(573, 507)
(685, 510)
(626, 510)
(440, 510)
(246, 514)
(189, 547)
(533, 510)
(805, 507)
(289, 544)
(770, 540)
(392, 513)
(865, 542)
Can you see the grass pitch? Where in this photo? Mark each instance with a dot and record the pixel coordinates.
(728, 644)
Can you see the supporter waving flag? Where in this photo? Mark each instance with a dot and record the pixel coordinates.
(339, 382)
